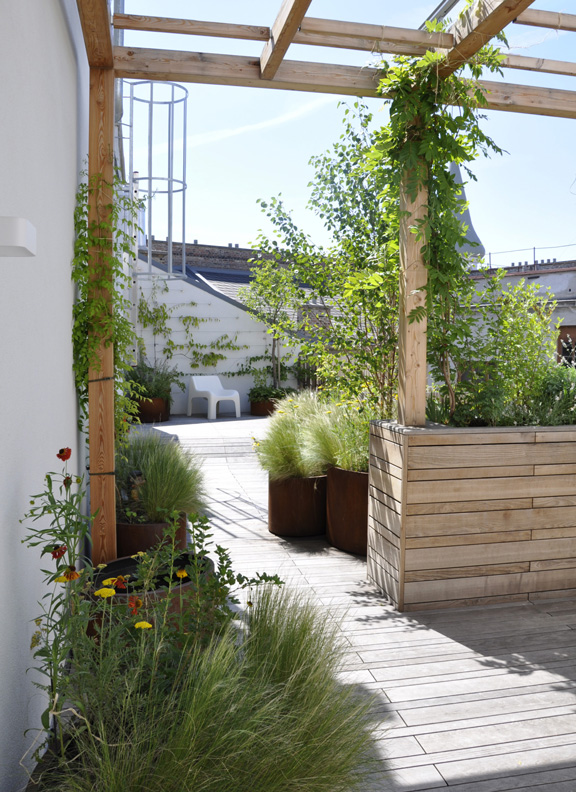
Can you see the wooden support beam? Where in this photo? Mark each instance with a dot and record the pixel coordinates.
(317, 32)
(413, 278)
(539, 65)
(375, 33)
(190, 27)
(476, 26)
(101, 376)
(95, 20)
(283, 30)
(547, 19)
(198, 67)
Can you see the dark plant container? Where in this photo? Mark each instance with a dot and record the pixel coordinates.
(131, 538)
(154, 410)
(347, 510)
(266, 407)
(297, 506)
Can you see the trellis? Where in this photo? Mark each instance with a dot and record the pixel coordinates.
(271, 70)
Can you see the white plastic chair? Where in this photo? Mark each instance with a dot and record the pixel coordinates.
(209, 387)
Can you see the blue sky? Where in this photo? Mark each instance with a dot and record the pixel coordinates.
(243, 144)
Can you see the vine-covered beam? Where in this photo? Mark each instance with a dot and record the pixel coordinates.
(476, 26)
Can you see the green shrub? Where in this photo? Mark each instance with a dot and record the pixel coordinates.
(170, 479)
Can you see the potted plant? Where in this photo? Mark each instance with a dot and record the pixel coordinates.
(263, 398)
(296, 482)
(153, 388)
(155, 478)
(338, 439)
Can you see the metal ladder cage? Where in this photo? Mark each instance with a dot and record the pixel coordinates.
(156, 111)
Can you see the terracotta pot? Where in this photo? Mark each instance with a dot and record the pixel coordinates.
(132, 538)
(154, 410)
(297, 506)
(347, 510)
(262, 407)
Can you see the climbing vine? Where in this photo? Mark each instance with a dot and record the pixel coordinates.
(435, 121)
(155, 314)
(101, 310)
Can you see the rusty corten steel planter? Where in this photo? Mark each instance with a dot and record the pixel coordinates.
(347, 510)
(297, 506)
(131, 538)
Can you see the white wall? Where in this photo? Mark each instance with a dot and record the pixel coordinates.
(222, 318)
(43, 138)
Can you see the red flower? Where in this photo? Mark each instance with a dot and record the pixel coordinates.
(64, 454)
(71, 574)
(59, 551)
(134, 603)
(120, 582)
(67, 482)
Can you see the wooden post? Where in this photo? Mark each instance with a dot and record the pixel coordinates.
(411, 336)
(101, 376)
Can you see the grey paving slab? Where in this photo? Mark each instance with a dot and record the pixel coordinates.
(470, 700)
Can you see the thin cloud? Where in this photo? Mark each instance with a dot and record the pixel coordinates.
(203, 138)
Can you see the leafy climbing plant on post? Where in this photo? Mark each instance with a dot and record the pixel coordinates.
(102, 307)
(435, 121)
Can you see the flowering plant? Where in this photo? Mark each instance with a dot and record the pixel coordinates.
(64, 539)
(107, 635)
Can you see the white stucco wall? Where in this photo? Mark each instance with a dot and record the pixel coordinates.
(221, 318)
(43, 135)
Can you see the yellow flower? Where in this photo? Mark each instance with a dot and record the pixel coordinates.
(105, 592)
(101, 566)
(108, 581)
(143, 625)
(35, 639)
(181, 573)
(139, 554)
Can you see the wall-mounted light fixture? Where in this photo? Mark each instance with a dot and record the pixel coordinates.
(17, 237)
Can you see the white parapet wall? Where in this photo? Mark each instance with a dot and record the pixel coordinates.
(217, 317)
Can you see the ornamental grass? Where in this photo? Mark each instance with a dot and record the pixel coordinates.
(259, 710)
(156, 477)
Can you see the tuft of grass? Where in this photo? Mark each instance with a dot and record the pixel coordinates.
(259, 710)
(172, 478)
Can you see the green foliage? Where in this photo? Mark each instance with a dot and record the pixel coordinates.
(261, 393)
(153, 382)
(273, 298)
(154, 313)
(497, 355)
(155, 478)
(348, 319)
(101, 313)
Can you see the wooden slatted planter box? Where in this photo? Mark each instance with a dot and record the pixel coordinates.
(471, 516)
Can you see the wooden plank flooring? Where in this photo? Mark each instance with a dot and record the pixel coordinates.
(467, 700)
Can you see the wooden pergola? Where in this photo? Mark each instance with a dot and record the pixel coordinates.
(271, 70)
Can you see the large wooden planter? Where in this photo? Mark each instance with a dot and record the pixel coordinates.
(472, 516)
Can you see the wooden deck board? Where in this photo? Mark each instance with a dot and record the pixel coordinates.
(468, 699)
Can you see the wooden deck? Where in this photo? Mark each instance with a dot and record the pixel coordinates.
(469, 700)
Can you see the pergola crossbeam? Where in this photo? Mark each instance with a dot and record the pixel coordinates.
(198, 67)
(284, 29)
(191, 27)
(476, 26)
(539, 65)
(547, 19)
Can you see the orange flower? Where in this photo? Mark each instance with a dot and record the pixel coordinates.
(134, 603)
(71, 574)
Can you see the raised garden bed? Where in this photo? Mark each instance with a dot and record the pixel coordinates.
(471, 516)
